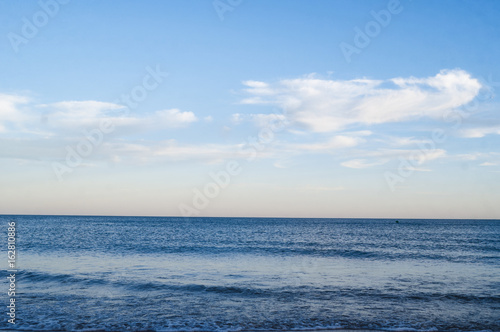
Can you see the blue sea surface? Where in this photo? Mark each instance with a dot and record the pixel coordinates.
(230, 274)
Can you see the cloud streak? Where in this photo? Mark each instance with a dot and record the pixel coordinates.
(320, 110)
(480, 132)
(331, 105)
(20, 115)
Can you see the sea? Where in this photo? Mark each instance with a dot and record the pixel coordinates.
(87, 273)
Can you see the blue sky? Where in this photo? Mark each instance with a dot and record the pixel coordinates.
(250, 108)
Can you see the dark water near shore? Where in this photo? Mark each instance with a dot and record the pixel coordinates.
(175, 274)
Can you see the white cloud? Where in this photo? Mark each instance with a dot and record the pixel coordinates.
(89, 113)
(173, 118)
(468, 156)
(328, 105)
(70, 117)
(257, 89)
(175, 150)
(366, 159)
(487, 163)
(336, 142)
(280, 164)
(360, 133)
(418, 154)
(84, 108)
(74, 114)
(172, 150)
(404, 141)
(260, 120)
(266, 120)
(315, 105)
(484, 158)
(480, 132)
(8, 106)
(236, 118)
(256, 84)
(31, 131)
(9, 110)
(361, 163)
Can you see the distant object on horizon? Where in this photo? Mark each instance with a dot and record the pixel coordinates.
(397, 221)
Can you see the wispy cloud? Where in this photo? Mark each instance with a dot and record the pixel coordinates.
(157, 151)
(320, 112)
(405, 141)
(68, 115)
(335, 142)
(487, 163)
(361, 163)
(34, 131)
(259, 120)
(478, 158)
(24, 116)
(381, 156)
(480, 131)
(174, 118)
(10, 113)
(322, 105)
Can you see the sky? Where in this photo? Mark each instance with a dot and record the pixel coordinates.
(323, 108)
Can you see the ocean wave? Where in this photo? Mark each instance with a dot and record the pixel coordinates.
(300, 291)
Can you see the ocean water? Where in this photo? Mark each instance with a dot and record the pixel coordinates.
(229, 274)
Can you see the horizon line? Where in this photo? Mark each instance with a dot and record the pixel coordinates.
(246, 217)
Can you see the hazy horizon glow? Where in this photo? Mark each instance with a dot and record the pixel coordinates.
(382, 109)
